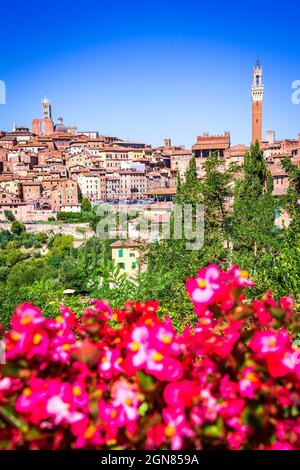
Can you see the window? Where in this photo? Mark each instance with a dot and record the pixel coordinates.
(120, 253)
(122, 265)
(133, 264)
(132, 255)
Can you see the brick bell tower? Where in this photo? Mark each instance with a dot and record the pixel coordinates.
(257, 92)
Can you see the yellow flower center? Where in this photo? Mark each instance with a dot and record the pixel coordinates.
(251, 377)
(134, 346)
(272, 342)
(166, 339)
(90, 432)
(37, 339)
(66, 347)
(157, 357)
(27, 392)
(26, 319)
(204, 321)
(104, 359)
(15, 336)
(170, 431)
(59, 319)
(202, 283)
(76, 391)
(113, 414)
(244, 274)
(128, 402)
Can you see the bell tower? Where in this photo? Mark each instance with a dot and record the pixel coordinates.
(257, 92)
(46, 106)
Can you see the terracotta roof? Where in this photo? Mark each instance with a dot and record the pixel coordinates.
(160, 191)
(126, 244)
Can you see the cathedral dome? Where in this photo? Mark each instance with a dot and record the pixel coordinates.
(60, 127)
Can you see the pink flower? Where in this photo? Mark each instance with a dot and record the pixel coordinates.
(75, 394)
(210, 405)
(33, 398)
(110, 363)
(103, 307)
(287, 303)
(138, 346)
(181, 394)
(249, 383)
(110, 414)
(164, 338)
(203, 287)
(26, 316)
(232, 407)
(274, 346)
(61, 346)
(222, 345)
(155, 437)
(60, 410)
(277, 445)
(240, 277)
(176, 427)
(236, 439)
(163, 367)
(125, 396)
(5, 383)
(228, 388)
(269, 342)
(40, 344)
(155, 361)
(264, 317)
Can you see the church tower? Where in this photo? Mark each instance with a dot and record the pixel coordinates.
(46, 106)
(257, 92)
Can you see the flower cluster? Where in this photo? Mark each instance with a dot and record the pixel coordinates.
(126, 379)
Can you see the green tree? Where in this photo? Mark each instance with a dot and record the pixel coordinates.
(61, 243)
(9, 215)
(86, 205)
(292, 200)
(216, 190)
(72, 275)
(253, 228)
(17, 227)
(25, 273)
(170, 261)
(188, 191)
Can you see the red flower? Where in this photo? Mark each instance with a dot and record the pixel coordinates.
(181, 394)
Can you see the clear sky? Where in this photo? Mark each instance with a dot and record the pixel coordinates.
(145, 70)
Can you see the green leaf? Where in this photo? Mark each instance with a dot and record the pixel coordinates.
(146, 381)
(8, 413)
(144, 407)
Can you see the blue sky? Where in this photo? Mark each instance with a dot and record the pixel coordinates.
(148, 70)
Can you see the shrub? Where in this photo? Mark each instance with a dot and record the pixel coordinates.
(17, 227)
(125, 379)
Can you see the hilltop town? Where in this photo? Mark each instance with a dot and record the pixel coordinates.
(51, 167)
